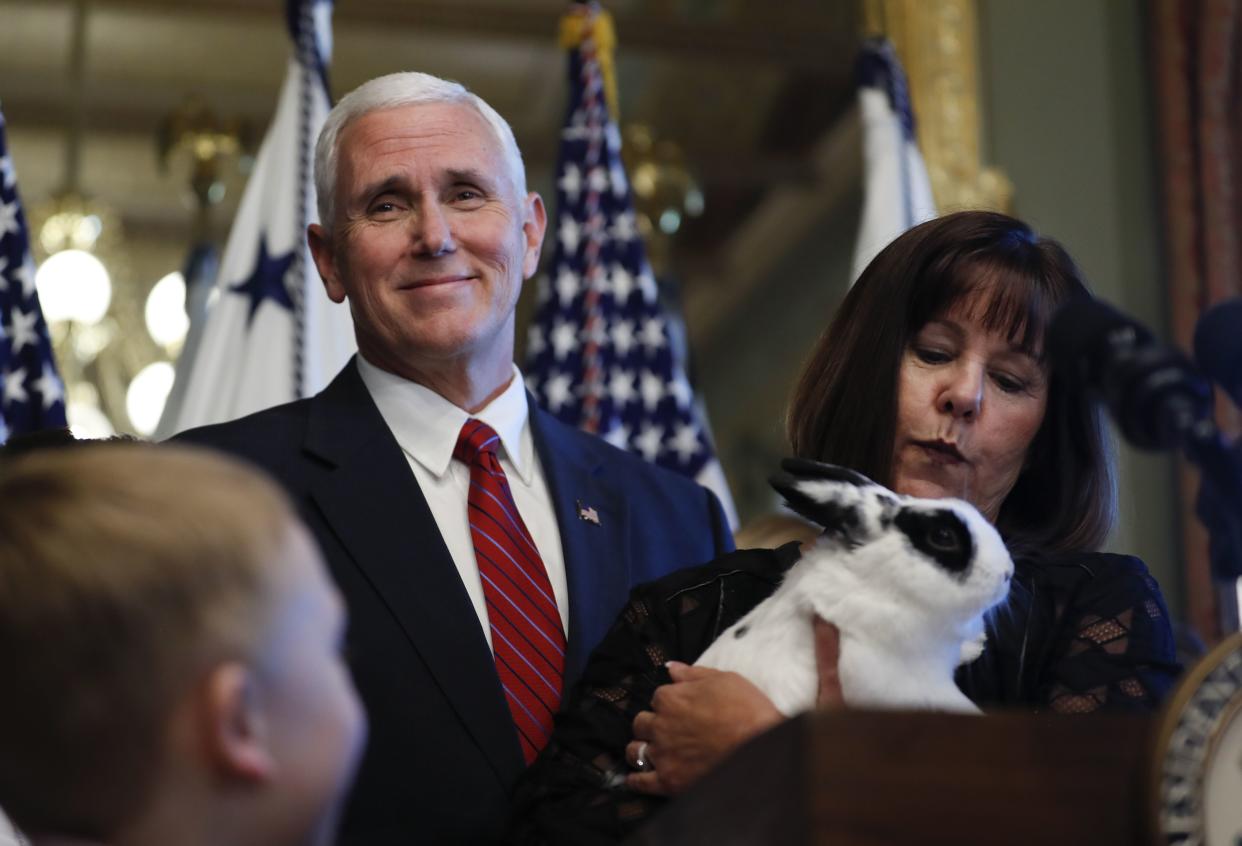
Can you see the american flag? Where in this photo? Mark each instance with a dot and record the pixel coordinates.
(599, 351)
(32, 396)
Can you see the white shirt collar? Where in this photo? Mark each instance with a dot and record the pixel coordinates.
(426, 425)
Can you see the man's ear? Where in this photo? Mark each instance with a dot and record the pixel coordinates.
(321, 248)
(236, 730)
(533, 227)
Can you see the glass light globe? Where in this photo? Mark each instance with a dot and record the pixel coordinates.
(73, 285)
(144, 401)
(87, 422)
(165, 312)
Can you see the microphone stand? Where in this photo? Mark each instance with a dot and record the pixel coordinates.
(1219, 503)
(1160, 400)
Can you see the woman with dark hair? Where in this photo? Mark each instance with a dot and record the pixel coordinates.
(932, 380)
(1009, 281)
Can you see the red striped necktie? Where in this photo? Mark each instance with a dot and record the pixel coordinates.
(528, 642)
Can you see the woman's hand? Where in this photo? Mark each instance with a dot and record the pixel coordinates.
(694, 723)
(705, 714)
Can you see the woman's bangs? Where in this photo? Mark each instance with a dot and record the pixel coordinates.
(1004, 301)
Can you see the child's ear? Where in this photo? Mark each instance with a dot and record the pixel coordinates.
(236, 724)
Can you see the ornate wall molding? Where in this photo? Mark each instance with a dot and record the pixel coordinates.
(938, 43)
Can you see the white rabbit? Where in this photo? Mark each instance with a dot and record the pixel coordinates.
(905, 580)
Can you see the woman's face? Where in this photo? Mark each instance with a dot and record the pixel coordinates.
(969, 403)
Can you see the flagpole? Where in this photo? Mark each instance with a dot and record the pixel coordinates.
(272, 335)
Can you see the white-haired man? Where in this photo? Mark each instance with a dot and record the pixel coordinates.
(483, 547)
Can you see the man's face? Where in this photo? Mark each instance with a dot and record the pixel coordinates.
(431, 242)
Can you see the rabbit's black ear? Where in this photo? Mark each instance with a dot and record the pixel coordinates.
(808, 469)
(831, 503)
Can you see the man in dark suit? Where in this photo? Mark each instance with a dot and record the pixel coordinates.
(428, 232)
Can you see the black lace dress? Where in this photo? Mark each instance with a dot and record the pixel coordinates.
(1078, 633)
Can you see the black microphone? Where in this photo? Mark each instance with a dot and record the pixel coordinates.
(1154, 392)
(1218, 346)
(1159, 400)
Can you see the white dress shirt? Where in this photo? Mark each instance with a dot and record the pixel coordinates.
(426, 425)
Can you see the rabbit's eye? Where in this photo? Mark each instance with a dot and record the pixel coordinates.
(943, 539)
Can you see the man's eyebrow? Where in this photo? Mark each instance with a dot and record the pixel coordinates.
(383, 186)
(470, 176)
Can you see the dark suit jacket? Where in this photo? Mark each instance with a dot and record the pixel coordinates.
(443, 754)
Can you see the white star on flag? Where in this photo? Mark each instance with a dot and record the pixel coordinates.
(25, 276)
(623, 337)
(571, 182)
(8, 218)
(652, 334)
(619, 436)
(647, 283)
(598, 179)
(685, 440)
(22, 330)
(564, 339)
(535, 342)
(648, 441)
(601, 280)
(559, 391)
(49, 387)
(620, 185)
(624, 227)
(622, 283)
(15, 386)
(567, 286)
(679, 389)
(621, 386)
(570, 233)
(652, 389)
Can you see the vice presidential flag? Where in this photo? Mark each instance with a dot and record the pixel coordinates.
(31, 394)
(272, 334)
(896, 191)
(599, 355)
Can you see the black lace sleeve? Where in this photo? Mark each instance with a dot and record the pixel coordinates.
(1112, 644)
(575, 791)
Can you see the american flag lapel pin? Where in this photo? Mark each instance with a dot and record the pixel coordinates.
(587, 513)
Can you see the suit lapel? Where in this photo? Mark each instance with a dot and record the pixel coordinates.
(595, 552)
(371, 500)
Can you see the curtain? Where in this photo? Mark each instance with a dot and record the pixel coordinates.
(1196, 52)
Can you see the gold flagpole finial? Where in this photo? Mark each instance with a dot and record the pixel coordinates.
(874, 19)
(588, 20)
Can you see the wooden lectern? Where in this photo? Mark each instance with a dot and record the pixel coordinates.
(850, 778)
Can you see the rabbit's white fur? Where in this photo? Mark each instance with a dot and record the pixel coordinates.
(906, 620)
